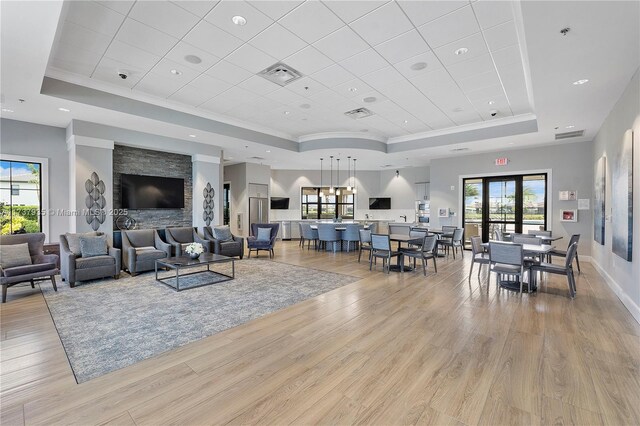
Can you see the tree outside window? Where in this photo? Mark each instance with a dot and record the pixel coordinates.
(20, 197)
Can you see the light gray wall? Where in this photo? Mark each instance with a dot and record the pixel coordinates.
(570, 169)
(402, 190)
(618, 272)
(236, 176)
(35, 140)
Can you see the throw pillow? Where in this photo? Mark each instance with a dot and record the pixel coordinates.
(14, 255)
(222, 233)
(264, 234)
(93, 246)
(73, 241)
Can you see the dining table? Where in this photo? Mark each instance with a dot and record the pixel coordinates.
(528, 249)
(403, 238)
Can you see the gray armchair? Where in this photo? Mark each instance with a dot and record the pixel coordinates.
(42, 265)
(180, 238)
(231, 248)
(75, 268)
(141, 249)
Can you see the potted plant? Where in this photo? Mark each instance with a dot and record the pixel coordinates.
(194, 250)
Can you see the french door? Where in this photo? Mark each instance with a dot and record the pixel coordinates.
(510, 203)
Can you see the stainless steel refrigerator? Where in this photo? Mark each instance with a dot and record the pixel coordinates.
(258, 210)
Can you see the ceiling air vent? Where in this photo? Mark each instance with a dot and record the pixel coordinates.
(568, 135)
(280, 74)
(359, 113)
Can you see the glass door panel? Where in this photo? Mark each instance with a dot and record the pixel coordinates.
(502, 206)
(473, 190)
(534, 199)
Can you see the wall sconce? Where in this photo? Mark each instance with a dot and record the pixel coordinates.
(397, 173)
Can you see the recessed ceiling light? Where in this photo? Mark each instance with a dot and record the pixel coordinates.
(491, 102)
(305, 106)
(579, 82)
(268, 150)
(461, 51)
(457, 109)
(570, 126)
(193, 59)
(418, 66)
(353, 89)
(406, 121)
(287, 112)
(7, 110)
(510, 143)
(370, 99)
(64, 110)
(192, 136)
(239, 20)
(176, 72)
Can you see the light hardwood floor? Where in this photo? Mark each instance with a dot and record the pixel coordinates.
(388, 349)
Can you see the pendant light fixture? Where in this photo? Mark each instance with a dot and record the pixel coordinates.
(331, 177)
(349, 173)
(338, 177)
(321, 192)
(354, 190)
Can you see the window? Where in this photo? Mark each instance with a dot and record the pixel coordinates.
(20, 197)
(331, 206)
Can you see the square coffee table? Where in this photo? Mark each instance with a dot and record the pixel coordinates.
(185, 262)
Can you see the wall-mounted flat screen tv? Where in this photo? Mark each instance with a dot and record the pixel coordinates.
(380, 203)
(279, 203)
(151, 192)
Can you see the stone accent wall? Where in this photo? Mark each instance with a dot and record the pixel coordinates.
(136, 161)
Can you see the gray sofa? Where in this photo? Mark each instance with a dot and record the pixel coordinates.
(42, 265)
(232, 248)
(76, 268)
(141, 249)
(180, 238)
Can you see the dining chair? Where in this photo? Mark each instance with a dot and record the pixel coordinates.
(373, 227)
(575, 238)
(497, 235)
(566, 269)
(507, 259)
(301, 226)
(454, 243)
(351, 234)
(418, 235)
(381, 248)
(425, 252)
(398, 229)
(540, 232)
(478, 255)
(308, 234)
(365, 243)
(526, 239)
(327, 233)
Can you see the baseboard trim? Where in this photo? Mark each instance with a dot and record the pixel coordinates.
(631, 306)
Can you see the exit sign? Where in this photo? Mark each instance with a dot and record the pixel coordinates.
(502, 161)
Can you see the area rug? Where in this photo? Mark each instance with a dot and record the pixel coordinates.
(109, 324)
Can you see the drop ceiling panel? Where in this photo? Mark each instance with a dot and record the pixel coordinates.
(158, 85)
(146, 38)
(306, 87)
(475, 45)
(75, 60)
(449, 28)
(200, 8)
(403, 47)
(221, 16)
(349, 10)
(164, 16)
(501, 36)
(332, 76)
(471, 67)
(191, 95)
(83, 38)
(421, 12)
(278, 42)
(95, 17)
(507, 56)
(382, 24)
(210, 84)
(308, 60)
(182, 50)
(204, 32)
(107, 71)
(492, 12)
(478, 81)
(311, 21)
(353, 89)
(120, 6)
(407, 66)
(383, 77)
(130, 55)
(485, 92)
(258, 85)
(275, 9)
(286, 96)
(341, 44)
(228, 72)
(165, 67)
(251, 59)
(364, 62)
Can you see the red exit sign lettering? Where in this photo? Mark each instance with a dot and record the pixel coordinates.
(502, 161)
